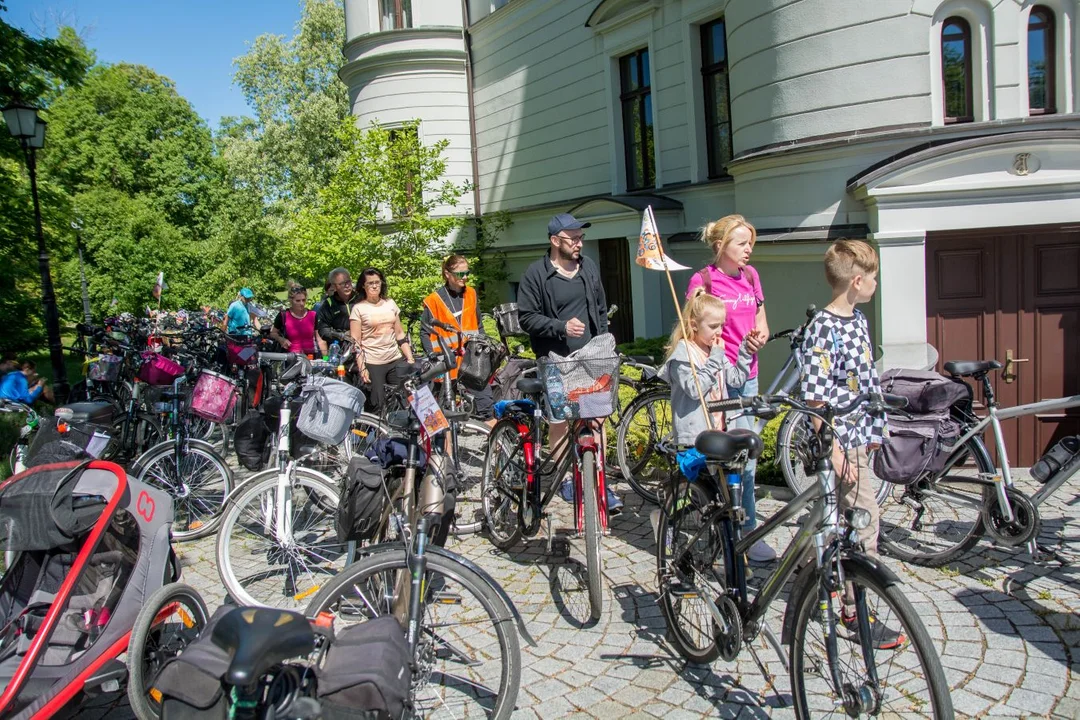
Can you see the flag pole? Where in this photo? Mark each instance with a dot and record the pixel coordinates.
(682, 323)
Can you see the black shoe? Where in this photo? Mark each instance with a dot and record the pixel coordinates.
(882, 636)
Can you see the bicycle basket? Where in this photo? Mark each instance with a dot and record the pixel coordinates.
(506, 318)
(583, 385)
(105, 369)
(329, 410)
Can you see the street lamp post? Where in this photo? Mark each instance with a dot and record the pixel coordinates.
(26, 127)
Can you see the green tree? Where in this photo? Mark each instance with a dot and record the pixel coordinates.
(353, 223)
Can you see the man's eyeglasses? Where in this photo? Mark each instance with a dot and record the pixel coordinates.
(343, 283)
(460, 274)
(573, 240)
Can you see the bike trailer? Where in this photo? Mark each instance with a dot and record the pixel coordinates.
(76, 431)
(87, 546)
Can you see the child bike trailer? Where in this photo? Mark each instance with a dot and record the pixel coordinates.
(83, 548)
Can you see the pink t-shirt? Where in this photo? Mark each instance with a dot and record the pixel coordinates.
(743, 296)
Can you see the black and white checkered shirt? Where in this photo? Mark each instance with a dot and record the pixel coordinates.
(836, 365)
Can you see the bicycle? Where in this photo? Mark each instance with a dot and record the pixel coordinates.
(277, 541)
(188, 469)
(701, 573)
(518, 483)
(20, 451)
(940, 516)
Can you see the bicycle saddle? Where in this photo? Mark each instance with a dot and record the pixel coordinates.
(724, 446)
(530, 386)
(964, 368)
(259, 638)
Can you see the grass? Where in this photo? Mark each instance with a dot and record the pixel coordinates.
(950, 572)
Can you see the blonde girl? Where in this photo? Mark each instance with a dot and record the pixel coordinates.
(704, 315)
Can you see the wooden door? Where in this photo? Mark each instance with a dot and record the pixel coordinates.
(615, 275)
(991, 293)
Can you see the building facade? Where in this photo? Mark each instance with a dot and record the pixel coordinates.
(945, 132)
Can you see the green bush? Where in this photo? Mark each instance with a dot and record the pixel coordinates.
(10, 425)
(653, 347)
(768, 467)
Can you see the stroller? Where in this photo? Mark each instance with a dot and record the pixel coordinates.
(85, 549)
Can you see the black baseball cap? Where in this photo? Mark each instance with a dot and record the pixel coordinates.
(565, 221)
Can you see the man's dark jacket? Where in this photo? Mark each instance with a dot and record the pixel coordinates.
(536, 309)
(334, 315)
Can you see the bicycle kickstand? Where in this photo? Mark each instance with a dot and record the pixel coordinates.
(1042, 555)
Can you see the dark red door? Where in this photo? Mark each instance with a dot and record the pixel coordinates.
(1011, 294)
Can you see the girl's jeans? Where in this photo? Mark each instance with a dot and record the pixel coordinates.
(748, 422)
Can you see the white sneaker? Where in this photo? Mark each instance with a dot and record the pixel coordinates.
(761, 553)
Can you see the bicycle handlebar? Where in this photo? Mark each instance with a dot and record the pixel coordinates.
(766, 404)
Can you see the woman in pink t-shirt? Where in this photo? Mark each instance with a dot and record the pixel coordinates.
(294, 327)
(731, 278)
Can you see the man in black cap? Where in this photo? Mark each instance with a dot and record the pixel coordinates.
(562, 305)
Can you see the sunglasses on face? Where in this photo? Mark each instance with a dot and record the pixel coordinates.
(461, 274)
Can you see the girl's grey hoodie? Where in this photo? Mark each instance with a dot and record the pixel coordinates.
(687, 415)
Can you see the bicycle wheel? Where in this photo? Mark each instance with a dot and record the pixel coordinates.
(502, 483)
(593, 533)
(199, 481)
(259, 568)
(932, 522)
(170, 620)
(366, 430)
(472, 440)
(792, 449)
(684, 579)
(143, 434)
(905, 680)
(468, 659)
(645, 423)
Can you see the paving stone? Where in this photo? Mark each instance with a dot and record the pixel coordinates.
(1036, 703)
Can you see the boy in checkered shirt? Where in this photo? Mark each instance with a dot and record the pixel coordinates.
(837, 365)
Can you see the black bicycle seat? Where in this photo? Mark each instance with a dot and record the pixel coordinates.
(642, 359)
(530, 386)
(724, 446)
(965, 368)
(259, 638)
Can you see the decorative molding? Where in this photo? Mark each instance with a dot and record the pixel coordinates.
(612, 14)
(358, 45)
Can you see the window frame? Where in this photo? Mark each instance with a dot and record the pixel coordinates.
(402, 13)
(1049, 28)
(707, 72)
(637, 97)
(969, 79)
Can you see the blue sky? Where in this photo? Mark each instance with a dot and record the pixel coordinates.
(192, 42)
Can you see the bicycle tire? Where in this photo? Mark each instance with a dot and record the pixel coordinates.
(688, 618)
(263, 556)
(381, 570)
(145, 434)
(951, 536)
(188, 523)
(593, 533)
(503, 478)
(636, 439)
(141, 673)
(916, 653)
(791, 450)
(469, 509)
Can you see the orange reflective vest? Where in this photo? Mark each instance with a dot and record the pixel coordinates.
(435, 303)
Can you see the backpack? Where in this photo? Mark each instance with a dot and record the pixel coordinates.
(367, 672)
(249, 440)
(362, 501)
(480, 362)
(926, 391)
(504, 384)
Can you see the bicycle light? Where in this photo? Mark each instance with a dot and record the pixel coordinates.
(858, 518)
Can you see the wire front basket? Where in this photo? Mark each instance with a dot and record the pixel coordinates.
(583, 385)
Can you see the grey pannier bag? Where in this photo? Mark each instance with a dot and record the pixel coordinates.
(916, 446)
(926, 391)
(329, 410)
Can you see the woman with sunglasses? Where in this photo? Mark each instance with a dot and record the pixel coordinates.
(383, 353)
(294, 327)
(455, 305)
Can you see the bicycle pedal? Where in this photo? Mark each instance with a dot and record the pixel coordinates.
(683, 592)
(445, 598)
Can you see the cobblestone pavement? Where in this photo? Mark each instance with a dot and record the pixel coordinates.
(1008, 632)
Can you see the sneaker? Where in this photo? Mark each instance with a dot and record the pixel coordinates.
(761, 553)
(566, 490)
(614, 503)
(883, 637)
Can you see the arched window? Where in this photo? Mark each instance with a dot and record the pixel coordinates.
(956, 70)
(1041, 61)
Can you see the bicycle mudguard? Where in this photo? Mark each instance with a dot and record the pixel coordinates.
(449, 555)
(805, 576)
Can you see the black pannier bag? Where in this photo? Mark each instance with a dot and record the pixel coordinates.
(504, 386)
(362, 501)
(366, 672)
(191, 683)
(926, 391)
(250, 440)
(481, 361)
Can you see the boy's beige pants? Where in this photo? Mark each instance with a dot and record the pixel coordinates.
(861, 495)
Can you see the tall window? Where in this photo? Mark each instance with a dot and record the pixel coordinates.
(396, 14)
(1041, 61)
(956, 70)
(636, 100)
(714, 75)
